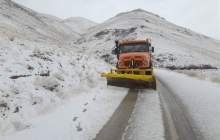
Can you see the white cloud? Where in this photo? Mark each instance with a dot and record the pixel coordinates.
(200, 15)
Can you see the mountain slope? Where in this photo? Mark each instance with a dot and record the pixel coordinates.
(17, 21)
(40, 68)
(183, 46)
(79, 24)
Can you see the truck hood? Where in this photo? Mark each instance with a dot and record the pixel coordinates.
(134, 55)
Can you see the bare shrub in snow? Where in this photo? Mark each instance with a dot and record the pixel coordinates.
(108, 58)
(11, 38)
(115, 32)
(29, 67)
(20, 126)
(3, 105)
(59, 76)
(48, 83)
(19, 76)
(102, 33)
(42, 55)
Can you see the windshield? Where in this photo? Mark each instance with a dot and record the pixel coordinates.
(134, 48)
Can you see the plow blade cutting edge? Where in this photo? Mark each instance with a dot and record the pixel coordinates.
(130, 80)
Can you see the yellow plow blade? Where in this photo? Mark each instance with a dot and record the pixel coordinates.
(138, 81)
(128, 76)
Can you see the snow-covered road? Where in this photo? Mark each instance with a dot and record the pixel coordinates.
(146, 122)
(175, 118)
(114, 128)
(199, 99)
(138, 117)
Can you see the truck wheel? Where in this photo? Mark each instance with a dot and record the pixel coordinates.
(154, 85)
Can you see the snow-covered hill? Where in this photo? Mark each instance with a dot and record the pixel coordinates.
(183, 45)
(175, 46)
(18, 22)
(39, 68)
(79, 24)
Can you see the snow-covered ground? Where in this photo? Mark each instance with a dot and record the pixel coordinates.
(200, 100)
(36, 79)
(80, 118)
(209, 75)
(40, 70)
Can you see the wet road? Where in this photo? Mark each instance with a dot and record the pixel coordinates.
(115, 127)
(175, 119)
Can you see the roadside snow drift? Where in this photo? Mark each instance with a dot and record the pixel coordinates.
(80, 118)
(200, 99)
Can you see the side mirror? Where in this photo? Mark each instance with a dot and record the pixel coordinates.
(152, 49)
(114, 51)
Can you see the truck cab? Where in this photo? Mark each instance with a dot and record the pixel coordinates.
(133, 54)
(134, 67)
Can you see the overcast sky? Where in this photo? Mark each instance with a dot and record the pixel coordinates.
(199, 15)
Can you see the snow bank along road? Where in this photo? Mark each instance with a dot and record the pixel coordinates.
(176, 121)
(199, 101)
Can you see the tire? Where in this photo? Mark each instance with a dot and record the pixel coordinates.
(154, 85)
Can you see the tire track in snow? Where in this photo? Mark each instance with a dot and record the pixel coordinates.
(114, 128)
(176, 120)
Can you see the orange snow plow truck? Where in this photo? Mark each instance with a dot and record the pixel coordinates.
(134, 66)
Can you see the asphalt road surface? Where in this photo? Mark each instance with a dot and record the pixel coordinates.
(115, 127)
(176, 120)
